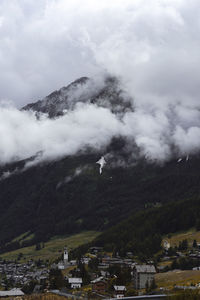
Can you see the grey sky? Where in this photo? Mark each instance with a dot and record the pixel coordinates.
(152, 45)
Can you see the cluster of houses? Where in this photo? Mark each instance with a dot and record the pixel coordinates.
(190, 254)
(20, 275)
(16, 274)
(100, 285)
(142, 275)
(101, 277)
(194, 254)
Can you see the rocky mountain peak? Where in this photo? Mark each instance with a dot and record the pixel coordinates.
(104, 93)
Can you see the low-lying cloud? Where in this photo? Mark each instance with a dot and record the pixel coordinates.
(159, 135)
(152, 46)
(23, 135)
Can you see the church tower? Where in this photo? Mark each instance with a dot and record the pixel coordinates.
(65, 255)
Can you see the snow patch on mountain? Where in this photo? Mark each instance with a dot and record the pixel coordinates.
(102, 163)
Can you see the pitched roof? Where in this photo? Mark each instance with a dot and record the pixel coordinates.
(75, 280)
(119, 288)
(145, 269)
(13, 292)
(98, 279)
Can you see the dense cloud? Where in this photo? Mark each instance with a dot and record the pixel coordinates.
(152, 46)
(23, 135)
(156, 134)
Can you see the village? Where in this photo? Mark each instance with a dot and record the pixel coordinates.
(98, 274)
(95, 274)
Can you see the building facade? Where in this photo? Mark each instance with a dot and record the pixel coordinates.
(66, 255)
(120, 291)
(143, 274)
(75, 283)
(99, 285)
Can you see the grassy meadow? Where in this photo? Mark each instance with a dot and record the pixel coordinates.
(189, 235)
(172, 278)
(53, 248)
(40, 297)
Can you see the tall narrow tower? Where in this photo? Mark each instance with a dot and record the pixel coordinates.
(65, 255)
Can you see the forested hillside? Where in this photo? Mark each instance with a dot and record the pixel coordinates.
(70, 195)
(142, 232)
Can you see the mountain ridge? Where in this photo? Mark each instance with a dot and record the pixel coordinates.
(104, 93)
(69, 195)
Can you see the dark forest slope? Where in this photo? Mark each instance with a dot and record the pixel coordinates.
(69, 195)
(56, 198)
(142, 232)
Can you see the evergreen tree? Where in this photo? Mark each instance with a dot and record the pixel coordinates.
(198, 224)
(194, 245)
(84, 273)
(56, 279)
(174, 265)
(93, 264)
(185, 244)
(37, 247)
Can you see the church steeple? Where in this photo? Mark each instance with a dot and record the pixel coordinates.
(66, 256)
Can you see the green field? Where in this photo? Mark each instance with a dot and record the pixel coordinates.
(53, 248)
(189, 235)
(169, 279)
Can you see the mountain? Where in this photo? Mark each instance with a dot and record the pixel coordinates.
(104, 93)
(70, 195)
(56, 198)
(143, 231)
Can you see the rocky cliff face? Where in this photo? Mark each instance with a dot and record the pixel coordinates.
(105, 93)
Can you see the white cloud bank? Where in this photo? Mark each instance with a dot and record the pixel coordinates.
(22, 135)
(153, 46)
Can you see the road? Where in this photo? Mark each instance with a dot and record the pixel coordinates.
(67, 295)
(144, 297)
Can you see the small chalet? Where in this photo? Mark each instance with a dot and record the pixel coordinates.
(75, 283)
(61, 265)
(119, 291)
(99, 285)
(95, 250)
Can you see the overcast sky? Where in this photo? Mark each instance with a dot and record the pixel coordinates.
(154, 45)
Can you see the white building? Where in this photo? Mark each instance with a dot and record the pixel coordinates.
(166, 245)
(119, 291)
(65, 263)
(85, 260)
(143, 274)
(75, 282)
(66, 255)
(196, 269)
(61, 265)
(73, 262)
